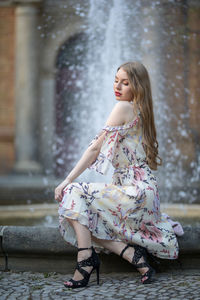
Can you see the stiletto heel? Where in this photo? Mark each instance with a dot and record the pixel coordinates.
(97, 270)
(92, 261)
(138, 254)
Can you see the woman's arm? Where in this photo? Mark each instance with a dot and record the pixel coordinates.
(117, 117)
(88, 157)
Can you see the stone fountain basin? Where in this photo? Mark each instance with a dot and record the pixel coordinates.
(46, 214)
(41, 247)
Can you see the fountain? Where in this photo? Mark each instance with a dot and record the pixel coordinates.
(92, 38)
(113, 34)
(158, 33)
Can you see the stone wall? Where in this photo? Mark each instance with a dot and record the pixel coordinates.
(7, 109)
(193, 27)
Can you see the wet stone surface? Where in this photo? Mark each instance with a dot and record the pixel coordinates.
(34, 286)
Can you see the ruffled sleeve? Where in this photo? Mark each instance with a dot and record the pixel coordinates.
(106, 154)
(109, 145)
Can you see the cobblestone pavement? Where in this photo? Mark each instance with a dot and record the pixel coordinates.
(39, 286)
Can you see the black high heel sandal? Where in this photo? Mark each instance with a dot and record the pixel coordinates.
(139, 253)
(92, 261)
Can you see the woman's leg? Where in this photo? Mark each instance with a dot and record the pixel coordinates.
(84, 237)
(117, 247)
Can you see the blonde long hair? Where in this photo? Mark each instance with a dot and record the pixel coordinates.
(142, 99)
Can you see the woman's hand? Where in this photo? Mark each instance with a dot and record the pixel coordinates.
(59, 189)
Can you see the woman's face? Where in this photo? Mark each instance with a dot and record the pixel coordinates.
(122, 87)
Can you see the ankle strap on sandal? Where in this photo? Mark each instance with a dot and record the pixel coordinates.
(80, 249)
(121, 254)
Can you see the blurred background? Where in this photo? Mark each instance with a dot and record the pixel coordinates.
(57, 65)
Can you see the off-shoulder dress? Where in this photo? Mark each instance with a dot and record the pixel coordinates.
(128, 208)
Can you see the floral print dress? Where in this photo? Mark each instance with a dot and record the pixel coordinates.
(128, 209)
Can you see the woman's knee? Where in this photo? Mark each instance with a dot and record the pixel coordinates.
(71, 221)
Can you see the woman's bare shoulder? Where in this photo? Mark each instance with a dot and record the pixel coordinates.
(121, 113)
(123, 107)
(124, 104)
(127, 110)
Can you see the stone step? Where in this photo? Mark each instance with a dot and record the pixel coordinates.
(180, 211)
(39, 248)
(30, 189)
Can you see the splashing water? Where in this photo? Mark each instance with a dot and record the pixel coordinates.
(115, 33)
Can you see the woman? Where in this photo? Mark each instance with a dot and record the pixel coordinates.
(123, 217)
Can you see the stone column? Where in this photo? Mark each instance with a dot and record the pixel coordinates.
(26, 90)
(47, 123)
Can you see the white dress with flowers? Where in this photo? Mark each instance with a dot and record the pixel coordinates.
(128, 209)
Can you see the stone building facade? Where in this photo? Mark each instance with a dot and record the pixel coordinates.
(28, 53)
(7, 111)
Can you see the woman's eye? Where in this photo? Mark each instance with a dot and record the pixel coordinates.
(125, 83)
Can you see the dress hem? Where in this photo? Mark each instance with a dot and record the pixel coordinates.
(101, 248)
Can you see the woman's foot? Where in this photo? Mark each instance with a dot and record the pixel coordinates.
(136, 255)
(82, 255)
(87, 262)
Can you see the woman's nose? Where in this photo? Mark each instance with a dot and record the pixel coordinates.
(118, 86)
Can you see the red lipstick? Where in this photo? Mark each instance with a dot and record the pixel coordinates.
(117, 94)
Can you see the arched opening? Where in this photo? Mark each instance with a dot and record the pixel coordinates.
(70, 71)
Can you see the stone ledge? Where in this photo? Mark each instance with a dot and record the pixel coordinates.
(23, 189)
(47, 240)
(180, 211)
(37, 188)
(43, 249)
